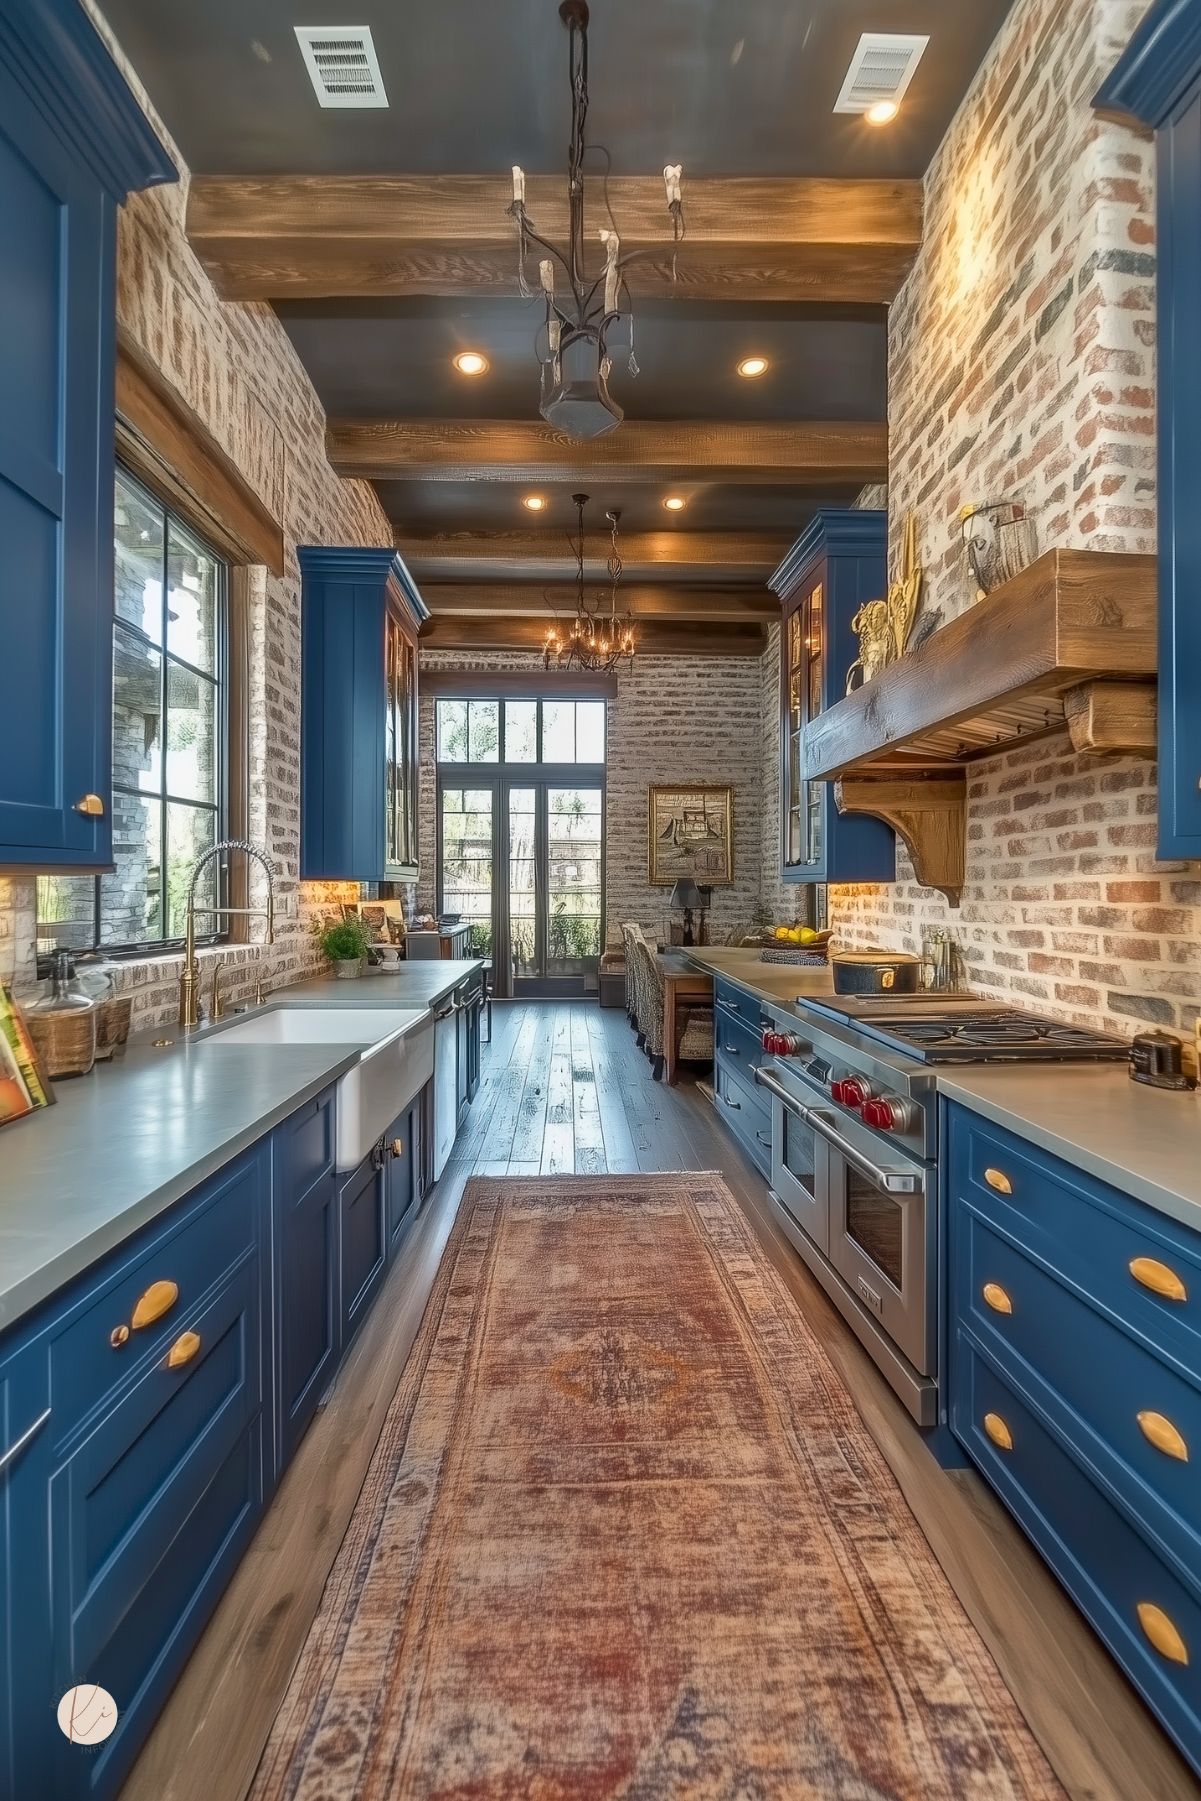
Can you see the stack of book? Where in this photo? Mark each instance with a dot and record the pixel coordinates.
(23, 1087)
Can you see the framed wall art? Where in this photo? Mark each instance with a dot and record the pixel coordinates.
(692, 834)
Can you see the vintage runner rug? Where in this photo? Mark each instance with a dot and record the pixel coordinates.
(625, 1535)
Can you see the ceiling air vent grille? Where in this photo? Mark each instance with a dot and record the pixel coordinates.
(881, 69)
(342, 64)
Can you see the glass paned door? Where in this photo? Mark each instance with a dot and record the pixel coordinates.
(523, 883)
(574, 831)
(468, 850)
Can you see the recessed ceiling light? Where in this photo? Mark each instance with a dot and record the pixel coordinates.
(535, 502)
(471, 362)
(751, 366)
(881, 112)
(675, 503)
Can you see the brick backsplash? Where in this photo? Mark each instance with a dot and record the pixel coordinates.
(235, 366)
(1021, 364)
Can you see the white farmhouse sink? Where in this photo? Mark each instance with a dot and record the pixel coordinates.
(396, 1061)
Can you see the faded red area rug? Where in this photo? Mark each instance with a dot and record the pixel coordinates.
(625, 1535)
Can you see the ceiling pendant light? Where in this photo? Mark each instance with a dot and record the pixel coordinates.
(598, 637)
(582, 320)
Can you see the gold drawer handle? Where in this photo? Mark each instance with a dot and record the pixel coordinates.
(1159, 1629)
(91, 806)
(397, 1147)
(1158, 1278)
(997, 1179)
(998, 1431)
(119, 1336)
(183, 1350)
(996, 1298)
(1160, 1432)
(158, 1299)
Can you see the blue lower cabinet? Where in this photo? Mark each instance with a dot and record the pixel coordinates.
(363, 1226)
(743, 1108)
(405, 1172)
(1074, 1383)
(306, 1278)
(25, 1636)
(149, 1518)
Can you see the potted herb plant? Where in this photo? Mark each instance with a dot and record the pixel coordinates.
(345, 944)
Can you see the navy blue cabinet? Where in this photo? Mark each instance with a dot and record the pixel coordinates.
(405, 1171)
(25, 1638)
(1158, 83)
(363, 1226)
(838, 563)
(738, 1026)
(1074, 1382)
(307, 1282)
(73, 142)
(361, 613)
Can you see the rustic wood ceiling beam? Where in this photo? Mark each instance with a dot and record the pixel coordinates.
(721, 558)
(808, 453)
(535, 599)
(656, 637)
(775, 238)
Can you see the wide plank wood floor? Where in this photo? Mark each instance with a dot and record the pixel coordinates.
(565, 1089)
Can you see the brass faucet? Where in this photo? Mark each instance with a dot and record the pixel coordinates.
(217, 1003)
(189, 981)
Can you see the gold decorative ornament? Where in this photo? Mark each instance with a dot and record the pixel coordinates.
(883, 627)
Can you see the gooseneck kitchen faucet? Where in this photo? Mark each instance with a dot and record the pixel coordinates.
(189, 981)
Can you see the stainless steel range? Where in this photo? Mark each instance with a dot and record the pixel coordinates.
(855, 1152)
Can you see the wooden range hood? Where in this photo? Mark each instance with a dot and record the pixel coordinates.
(1070, 641)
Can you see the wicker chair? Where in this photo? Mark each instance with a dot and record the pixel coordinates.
(694, 1023)
(630, 933)
(640, 997)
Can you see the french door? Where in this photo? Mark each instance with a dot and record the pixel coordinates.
(521, 857)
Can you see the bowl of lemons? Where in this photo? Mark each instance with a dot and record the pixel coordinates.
(796, 944)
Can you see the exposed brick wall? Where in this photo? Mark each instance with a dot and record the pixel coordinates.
(1021, 353)
(675, 719)
(235, 366)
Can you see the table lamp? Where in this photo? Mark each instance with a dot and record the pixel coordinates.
(688, 897)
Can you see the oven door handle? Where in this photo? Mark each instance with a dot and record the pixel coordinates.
(892, 1180)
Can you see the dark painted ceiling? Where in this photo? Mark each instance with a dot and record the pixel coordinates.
(395, 358)
(726, 87)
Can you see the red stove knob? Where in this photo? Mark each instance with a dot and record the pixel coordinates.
(887, 1114)
(851, 1091)
(782, 1044)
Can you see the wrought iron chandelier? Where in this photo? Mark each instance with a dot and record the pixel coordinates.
(599, 636)
(581, 323)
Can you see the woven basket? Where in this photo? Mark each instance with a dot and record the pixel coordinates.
(65, 1042)
(112, 1024)
(798, 959)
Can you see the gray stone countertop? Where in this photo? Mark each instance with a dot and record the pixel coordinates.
(121, 1145)
(1144, 1141)
(776, 984)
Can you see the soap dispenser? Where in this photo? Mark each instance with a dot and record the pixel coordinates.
(62, 1023)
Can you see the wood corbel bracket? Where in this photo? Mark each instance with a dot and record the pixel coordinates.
(1112, 718)
(928, 815)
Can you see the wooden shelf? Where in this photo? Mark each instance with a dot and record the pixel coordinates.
(1010, 668)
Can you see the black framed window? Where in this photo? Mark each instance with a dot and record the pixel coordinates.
(170, 702)
(523, 731)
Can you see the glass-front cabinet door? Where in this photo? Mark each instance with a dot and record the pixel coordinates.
(830, 571)
(400, 751)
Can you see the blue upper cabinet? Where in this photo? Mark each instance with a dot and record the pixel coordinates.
(73, 143)
(358, 720)
(838, 562)
(1158, 83)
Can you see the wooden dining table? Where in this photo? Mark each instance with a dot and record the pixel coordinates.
(682, 982)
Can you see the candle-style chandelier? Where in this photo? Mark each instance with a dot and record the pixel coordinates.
(581, 323)
(599, 636)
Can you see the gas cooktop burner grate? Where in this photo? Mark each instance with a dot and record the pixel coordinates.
(972, 1037)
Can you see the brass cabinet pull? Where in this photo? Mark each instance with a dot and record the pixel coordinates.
(91, 806)
(1158, 1628)
(158, 1299)
(998, 1431)
(183, 1350)
(996, 1298)
(998, 1180)
(397, 1147)
(119, 1336)
(1158, 1278)
(1159, 1431)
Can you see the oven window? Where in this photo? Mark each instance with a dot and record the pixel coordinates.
(876, 1223)
(800, 1152)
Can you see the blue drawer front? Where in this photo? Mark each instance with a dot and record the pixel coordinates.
(1091, 1381)
(164, 1488)
(740, 1006)
(221, 1224)
(742, 1107)
(305, 1145)
(1086, 1234)
(1107, 1568)
(740, 1045)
